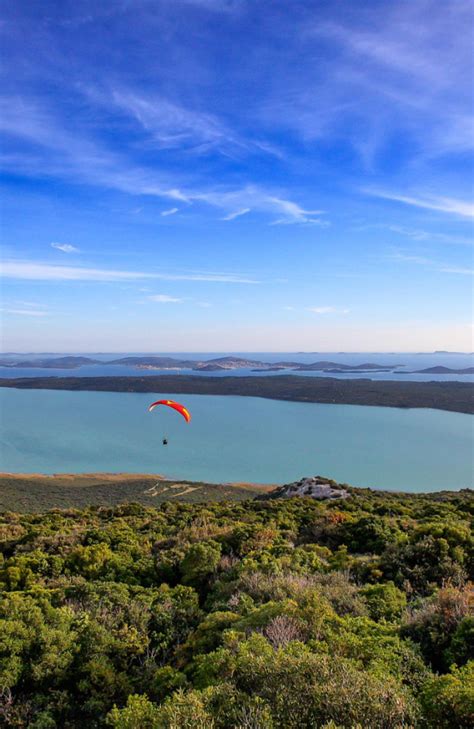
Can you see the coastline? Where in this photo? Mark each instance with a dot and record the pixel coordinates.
(450, 396)
(39, 492)
(84, 479)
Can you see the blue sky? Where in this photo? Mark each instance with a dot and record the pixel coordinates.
(225, 175)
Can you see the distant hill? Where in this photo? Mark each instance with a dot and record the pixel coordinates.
(62, 363)
(330, 367)
(158, 362)
(439, 370)
(208, 365)
(219, 364)
(337, 367)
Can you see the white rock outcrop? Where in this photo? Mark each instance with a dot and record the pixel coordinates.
(316, 487)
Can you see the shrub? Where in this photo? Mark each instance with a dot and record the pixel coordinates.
(448, 701)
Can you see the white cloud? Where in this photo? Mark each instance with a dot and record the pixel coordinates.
(457, 269)
(218, 6)
(25, 312)
(64, 154)
(410, 258)
(65, 247)
(171, 125)
(431, 263)
(259, 200)
(294, 213)
(302, 219)
(28, 304)
(391, 71)
(171, 211)
(442, 204)
(327, 310)
(237, 214)
(423, 235)
(164, 299)
(31, 270)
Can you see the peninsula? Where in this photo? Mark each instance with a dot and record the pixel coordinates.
(454, 396)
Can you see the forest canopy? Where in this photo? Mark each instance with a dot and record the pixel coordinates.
(283, 613)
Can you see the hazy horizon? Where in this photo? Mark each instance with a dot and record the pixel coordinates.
(236, 352)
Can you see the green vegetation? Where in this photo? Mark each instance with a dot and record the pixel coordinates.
(455, 396)
(264, 614)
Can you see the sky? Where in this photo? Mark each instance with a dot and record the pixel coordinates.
(236, 175)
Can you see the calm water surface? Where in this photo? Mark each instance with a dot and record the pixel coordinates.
(235, 439)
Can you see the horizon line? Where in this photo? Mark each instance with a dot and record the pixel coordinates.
(279, 351)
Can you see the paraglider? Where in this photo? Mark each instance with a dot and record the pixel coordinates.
(176, 406)
(172, 404)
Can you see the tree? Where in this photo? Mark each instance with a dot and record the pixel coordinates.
(199, 562)
(448, 701)
(385, 601)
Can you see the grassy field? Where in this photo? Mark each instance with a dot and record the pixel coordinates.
(37, 492)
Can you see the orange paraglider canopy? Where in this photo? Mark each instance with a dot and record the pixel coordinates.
(172, 404)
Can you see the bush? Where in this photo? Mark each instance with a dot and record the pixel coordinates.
(385, 601)
(448, 701)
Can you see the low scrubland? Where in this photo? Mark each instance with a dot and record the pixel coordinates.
(256, 614)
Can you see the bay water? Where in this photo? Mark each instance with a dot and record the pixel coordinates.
(235, 439)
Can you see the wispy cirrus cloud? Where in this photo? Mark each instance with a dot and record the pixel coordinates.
(171, 211)
(65, 247)
(61, 153)
(171, 125)
(418, 234)
(24, 312)
(448, 205)
(164, 299)
(56, 151)
(382, 73)
(327, 310)
(217, 6)
(36, 271)
(167, 124)
(295, 213)
(463, 270)
(425, 235)
(254, 198)
(236, 214)
(435, 265)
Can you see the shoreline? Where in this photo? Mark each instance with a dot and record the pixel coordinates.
(34, 492)
(93, 478)
(448, 396)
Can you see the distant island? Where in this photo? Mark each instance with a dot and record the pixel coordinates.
(69, 362)
(211, 365)
(221, 364)
(454, 396)
(439, 370)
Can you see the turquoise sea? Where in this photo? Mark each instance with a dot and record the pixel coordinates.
(235, 439)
